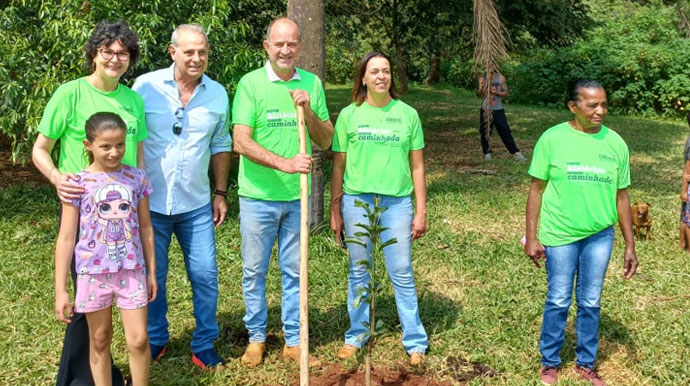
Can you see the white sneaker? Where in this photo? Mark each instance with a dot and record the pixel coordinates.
(519, 157)
(487, 157)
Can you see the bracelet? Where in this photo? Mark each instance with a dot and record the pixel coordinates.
(223, 193)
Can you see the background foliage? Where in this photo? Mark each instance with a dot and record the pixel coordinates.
(42, 46)
(430, 29)
(637, 48)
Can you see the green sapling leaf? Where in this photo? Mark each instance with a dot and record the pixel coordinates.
(389, 242)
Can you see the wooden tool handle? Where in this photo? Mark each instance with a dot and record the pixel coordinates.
(303, 259)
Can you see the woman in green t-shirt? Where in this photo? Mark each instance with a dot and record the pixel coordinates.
(378, 154)
(112, 49)
(580, 174)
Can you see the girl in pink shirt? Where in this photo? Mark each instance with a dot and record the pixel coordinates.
(114, 253)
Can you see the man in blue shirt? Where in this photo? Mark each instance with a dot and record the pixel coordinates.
(187, 117)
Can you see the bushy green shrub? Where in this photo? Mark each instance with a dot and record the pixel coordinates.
(637, 52)
(459, 72)
(343, 49)
(42, 47)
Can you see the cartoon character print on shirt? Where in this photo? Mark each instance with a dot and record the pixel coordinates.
(113, 207)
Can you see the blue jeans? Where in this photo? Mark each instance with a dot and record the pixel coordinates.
(260, 222)
(588, 257)
(398, 256)
(194, 232)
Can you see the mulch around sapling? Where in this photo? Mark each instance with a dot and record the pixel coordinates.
(461, 370)
(334, 375)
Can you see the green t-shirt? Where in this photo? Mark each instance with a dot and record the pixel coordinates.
(268, 109)
(378, 143)
(67, 111)
(584, 173)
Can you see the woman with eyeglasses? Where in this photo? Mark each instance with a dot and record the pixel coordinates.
(112, 50)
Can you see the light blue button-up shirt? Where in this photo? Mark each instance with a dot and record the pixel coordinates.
(177, 165)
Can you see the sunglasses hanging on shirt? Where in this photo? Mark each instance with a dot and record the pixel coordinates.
(177, 126)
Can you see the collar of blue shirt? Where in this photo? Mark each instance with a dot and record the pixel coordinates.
(273, 77)
(169, 76)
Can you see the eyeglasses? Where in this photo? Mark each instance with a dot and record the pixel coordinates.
(108, 54)
(177, 126)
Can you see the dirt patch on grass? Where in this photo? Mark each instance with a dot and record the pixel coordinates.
(465, 371)
(460, 370)
(17, 174)
(335, 375)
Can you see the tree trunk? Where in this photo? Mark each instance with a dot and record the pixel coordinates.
(400, 67)
(397, 45)
(310, 16)
(434, 75)
(434, 70)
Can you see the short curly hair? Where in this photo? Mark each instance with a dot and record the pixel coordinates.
(106, 33)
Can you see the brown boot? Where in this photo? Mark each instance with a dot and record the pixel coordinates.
(347, 351)
(254, 354)
(417, 358)
(294, 353)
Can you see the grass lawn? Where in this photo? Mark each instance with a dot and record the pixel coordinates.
(481, 298)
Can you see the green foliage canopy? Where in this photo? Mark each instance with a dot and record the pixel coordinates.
(429, 27)
(638, 50)
(42, 47)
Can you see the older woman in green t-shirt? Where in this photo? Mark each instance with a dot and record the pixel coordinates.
(112, 49)
(378, 155)
(580, 174)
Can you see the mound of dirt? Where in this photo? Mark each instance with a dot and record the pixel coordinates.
(335, 375)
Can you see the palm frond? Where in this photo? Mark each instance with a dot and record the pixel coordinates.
(489, 49)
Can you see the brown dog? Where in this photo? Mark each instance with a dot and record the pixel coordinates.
(641, 218)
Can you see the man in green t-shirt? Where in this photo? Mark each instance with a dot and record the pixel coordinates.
(265, 135)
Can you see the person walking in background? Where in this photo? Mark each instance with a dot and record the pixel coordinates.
(111, 51)
(580, 175)
(187, 116)
(378, 153)
(114, 253)
(265, 133)
(498, 90)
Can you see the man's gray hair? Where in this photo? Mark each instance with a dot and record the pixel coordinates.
(195, 27)
(270, 25)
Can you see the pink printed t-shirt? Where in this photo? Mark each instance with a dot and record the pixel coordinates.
(109, 227)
